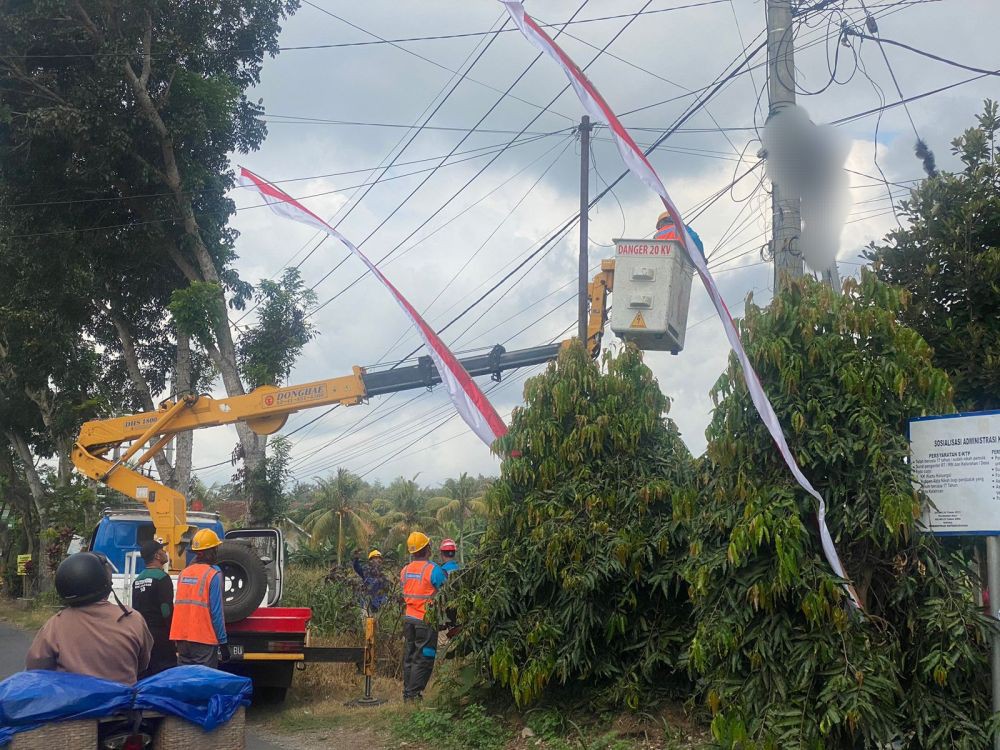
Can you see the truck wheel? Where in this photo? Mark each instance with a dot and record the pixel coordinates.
(244, 580)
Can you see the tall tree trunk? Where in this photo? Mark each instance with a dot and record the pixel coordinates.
(223, 353)
(461, 534)
(340, 538)
(184, 442)
(37, 490)
(131, 357)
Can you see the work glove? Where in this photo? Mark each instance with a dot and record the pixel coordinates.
(224, 653)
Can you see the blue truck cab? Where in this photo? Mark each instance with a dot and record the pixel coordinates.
(120, 532)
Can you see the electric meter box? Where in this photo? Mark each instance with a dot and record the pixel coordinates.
(652, 293)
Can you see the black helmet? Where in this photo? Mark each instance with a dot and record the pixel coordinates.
(83, 578)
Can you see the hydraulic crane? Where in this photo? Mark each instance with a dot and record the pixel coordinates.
(265, 410)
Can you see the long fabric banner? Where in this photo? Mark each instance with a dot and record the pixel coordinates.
(469, 400)
(637, 163)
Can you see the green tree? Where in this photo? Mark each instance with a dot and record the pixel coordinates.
(947, 257)
(116, 123)
(339, 513)
(781, 658)
(264, 485)
(576, 586)
(268, 350)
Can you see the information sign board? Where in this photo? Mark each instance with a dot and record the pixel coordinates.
(22, 564)
(956, 463)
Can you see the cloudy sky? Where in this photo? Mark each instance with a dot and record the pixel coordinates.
(338, 109)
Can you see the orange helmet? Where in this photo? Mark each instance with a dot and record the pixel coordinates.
(664, 218)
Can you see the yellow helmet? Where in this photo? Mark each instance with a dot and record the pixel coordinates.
(205, 539)
(661, 217)
(417, 541)
(374, 553)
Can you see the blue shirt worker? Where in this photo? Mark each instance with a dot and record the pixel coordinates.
(421, 580)
(667, 230)
(198, 626)
(448, 549)
(373, 579)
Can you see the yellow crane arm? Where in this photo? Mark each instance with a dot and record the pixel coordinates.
(265, 411)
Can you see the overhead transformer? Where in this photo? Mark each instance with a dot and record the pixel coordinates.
(652, 293)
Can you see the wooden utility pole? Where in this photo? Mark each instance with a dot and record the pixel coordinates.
(582, 298)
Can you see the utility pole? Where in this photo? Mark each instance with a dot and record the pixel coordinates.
(786, 221)
(786, 218)
(582, 298)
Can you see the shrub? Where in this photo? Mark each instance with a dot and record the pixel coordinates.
(576, 585)
(782, 660)
(445, 730)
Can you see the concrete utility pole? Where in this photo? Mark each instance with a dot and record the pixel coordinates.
(582, 298)
(786, 222)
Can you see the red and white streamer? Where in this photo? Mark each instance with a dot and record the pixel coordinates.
(637, 163)
(469, 400)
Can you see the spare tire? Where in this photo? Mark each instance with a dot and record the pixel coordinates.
(244, 580)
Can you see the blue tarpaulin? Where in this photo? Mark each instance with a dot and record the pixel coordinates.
(29, 700)
(203, 696)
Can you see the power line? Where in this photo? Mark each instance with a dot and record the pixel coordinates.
(380, 41)
(486, 166)
(947, 61)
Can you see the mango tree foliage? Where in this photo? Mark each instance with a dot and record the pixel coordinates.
(782, 659)
(576, 585)
(948, 257)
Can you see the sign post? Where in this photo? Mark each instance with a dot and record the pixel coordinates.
(955, 460)
(22, 570)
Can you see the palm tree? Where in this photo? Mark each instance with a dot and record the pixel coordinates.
(465, 502)
(337, 510)
(411, 512)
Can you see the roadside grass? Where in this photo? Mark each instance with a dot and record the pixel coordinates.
(32, 618)
(316, 704)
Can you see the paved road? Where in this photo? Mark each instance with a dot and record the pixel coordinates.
(14, 645)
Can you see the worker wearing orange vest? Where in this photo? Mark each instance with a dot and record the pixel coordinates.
(198, 626)
(667, 230)
(420, 579)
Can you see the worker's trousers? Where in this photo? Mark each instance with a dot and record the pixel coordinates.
(418, 656)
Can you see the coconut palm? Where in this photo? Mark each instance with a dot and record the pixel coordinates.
(338, 512)
(411, 512)
(465, 502)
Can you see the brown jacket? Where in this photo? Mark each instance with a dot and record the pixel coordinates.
(96, 640)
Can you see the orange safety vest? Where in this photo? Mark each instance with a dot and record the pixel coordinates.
(192, 620)
(669, 232)
(417, 587)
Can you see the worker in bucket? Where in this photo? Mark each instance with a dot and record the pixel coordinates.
(420, 579)
(91, 636)
(198, 627)
(153, 598)
(667, 230)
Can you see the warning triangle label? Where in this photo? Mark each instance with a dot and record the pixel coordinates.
(638, 321)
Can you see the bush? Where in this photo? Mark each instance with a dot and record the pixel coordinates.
(782, 660)
(577, 582)
(335, 598)
(445, 730)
